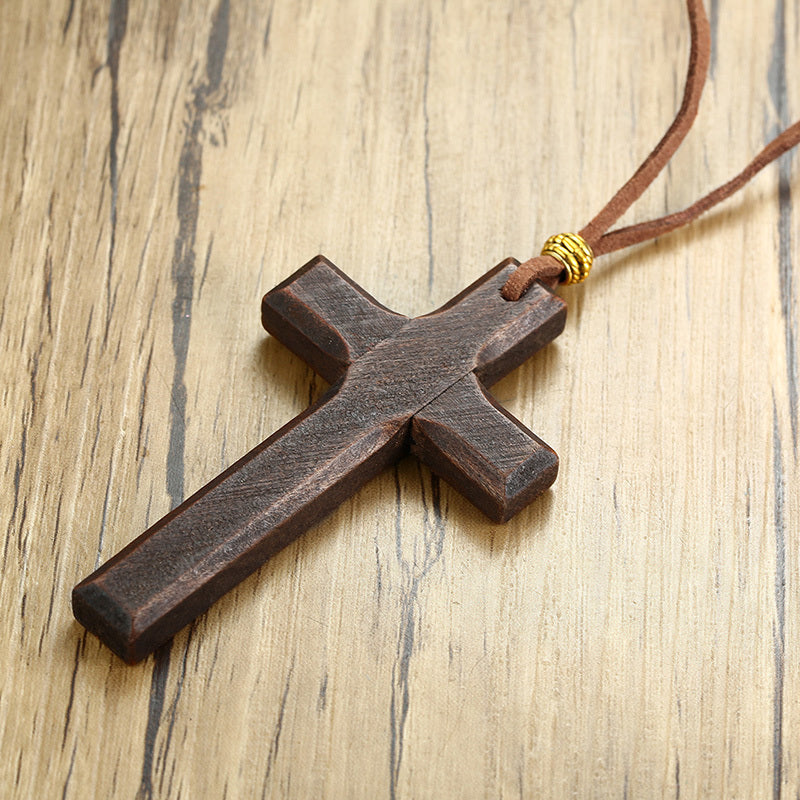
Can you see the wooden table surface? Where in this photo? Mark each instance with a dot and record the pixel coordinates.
(634, 633)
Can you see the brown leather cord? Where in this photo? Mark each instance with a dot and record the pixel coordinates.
(634, 234)
(548, 270)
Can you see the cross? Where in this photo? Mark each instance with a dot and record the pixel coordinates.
(397, 384)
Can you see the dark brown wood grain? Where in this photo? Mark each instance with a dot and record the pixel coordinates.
(398, 384)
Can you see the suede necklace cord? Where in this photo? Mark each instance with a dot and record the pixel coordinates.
(567, 258)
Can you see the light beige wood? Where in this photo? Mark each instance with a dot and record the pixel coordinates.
(634, 633)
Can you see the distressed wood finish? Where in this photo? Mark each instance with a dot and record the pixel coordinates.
(633, 632)
(400, 382)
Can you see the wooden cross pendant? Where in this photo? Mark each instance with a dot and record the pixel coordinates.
(397, 384)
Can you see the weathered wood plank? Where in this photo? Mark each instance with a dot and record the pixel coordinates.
(635, 630)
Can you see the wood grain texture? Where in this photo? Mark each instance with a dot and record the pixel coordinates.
(633, 633)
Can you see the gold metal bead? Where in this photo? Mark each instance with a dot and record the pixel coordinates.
(573, 252)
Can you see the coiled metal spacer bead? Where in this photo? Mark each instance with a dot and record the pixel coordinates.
(573, 252)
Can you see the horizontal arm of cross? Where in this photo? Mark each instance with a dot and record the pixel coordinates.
(326, 318)
(476, 445)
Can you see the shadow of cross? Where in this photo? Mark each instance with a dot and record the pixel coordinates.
(398, 384)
